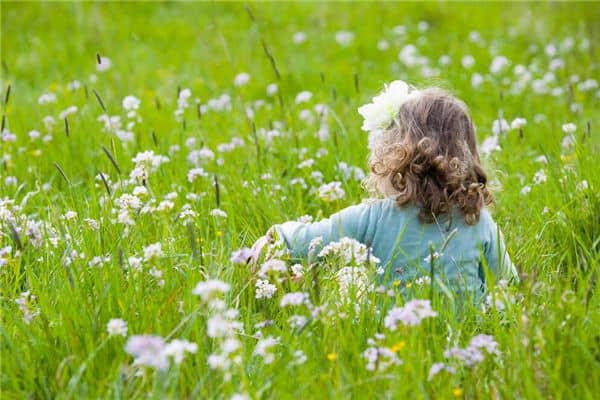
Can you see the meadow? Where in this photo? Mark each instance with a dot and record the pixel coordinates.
(145, 145)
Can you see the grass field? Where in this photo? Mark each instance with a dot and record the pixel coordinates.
(88, 235)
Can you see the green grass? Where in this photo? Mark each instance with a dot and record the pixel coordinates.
(548, 336)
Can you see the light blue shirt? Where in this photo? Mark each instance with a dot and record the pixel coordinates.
(404, 244)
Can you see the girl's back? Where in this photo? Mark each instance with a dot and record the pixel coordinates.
(406, 246)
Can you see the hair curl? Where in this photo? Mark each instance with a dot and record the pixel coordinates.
(428, 157)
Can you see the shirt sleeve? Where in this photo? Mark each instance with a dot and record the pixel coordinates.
(354, 222)
(497, 258)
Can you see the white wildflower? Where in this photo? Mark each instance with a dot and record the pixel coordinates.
(294, 299)
(177, 349)
(272, 89)
(467, 62)
(104, 64)
(47, 98)
(344, 38)
(499, 63)
(217, 212)
(518, 123)
(131, 103)
(210, 289)
(500, 126)
(525, 190)
(264, 349)
(241, 79)
(153, 251)
(539, 177)
(412, 313)
(303, 97)
(331, 191)
(148, 350)
(116, 327)
(194, 173)
(352, 280)
(264, 289)
(299, 37)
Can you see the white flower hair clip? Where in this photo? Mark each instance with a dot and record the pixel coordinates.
(381, 112)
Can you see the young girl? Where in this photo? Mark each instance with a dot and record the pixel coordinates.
(424, 163)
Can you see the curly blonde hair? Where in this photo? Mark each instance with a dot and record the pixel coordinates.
(428, 157)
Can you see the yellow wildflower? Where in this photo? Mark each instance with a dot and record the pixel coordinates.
(398, 346)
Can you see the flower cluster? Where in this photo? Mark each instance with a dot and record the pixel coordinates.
(155, 352)
(348, 251)
(380, 357)
(26, 305)
(353, 282)
(473, 354)
(331, 191)
(146, 163)
(411, 314)
(222, 326)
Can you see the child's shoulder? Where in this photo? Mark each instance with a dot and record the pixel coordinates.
(388, 206)
(485, 218)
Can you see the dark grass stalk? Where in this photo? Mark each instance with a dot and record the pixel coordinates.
(66, 126)
(335, 139)
(157, 102)
(591, 289)
(184, 124)
(316, 284)
(3, 123)
(271, 60)
(99, 100)
(62, 173)
(322, 75)
(87, 92)
(7, 97)
(154, 138)
(112, 159)
(178, 91)
(105, 183)
(250, 14)
(256, 144)
(192, 237)
(281, 103)
(334, 93)
(589, 128)
(70, 276)
(571, 96)
(199, 111)
(14, 234)
(120, 257)
(431, 271)
(356, 86)
(201, 256)
(98, 58)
